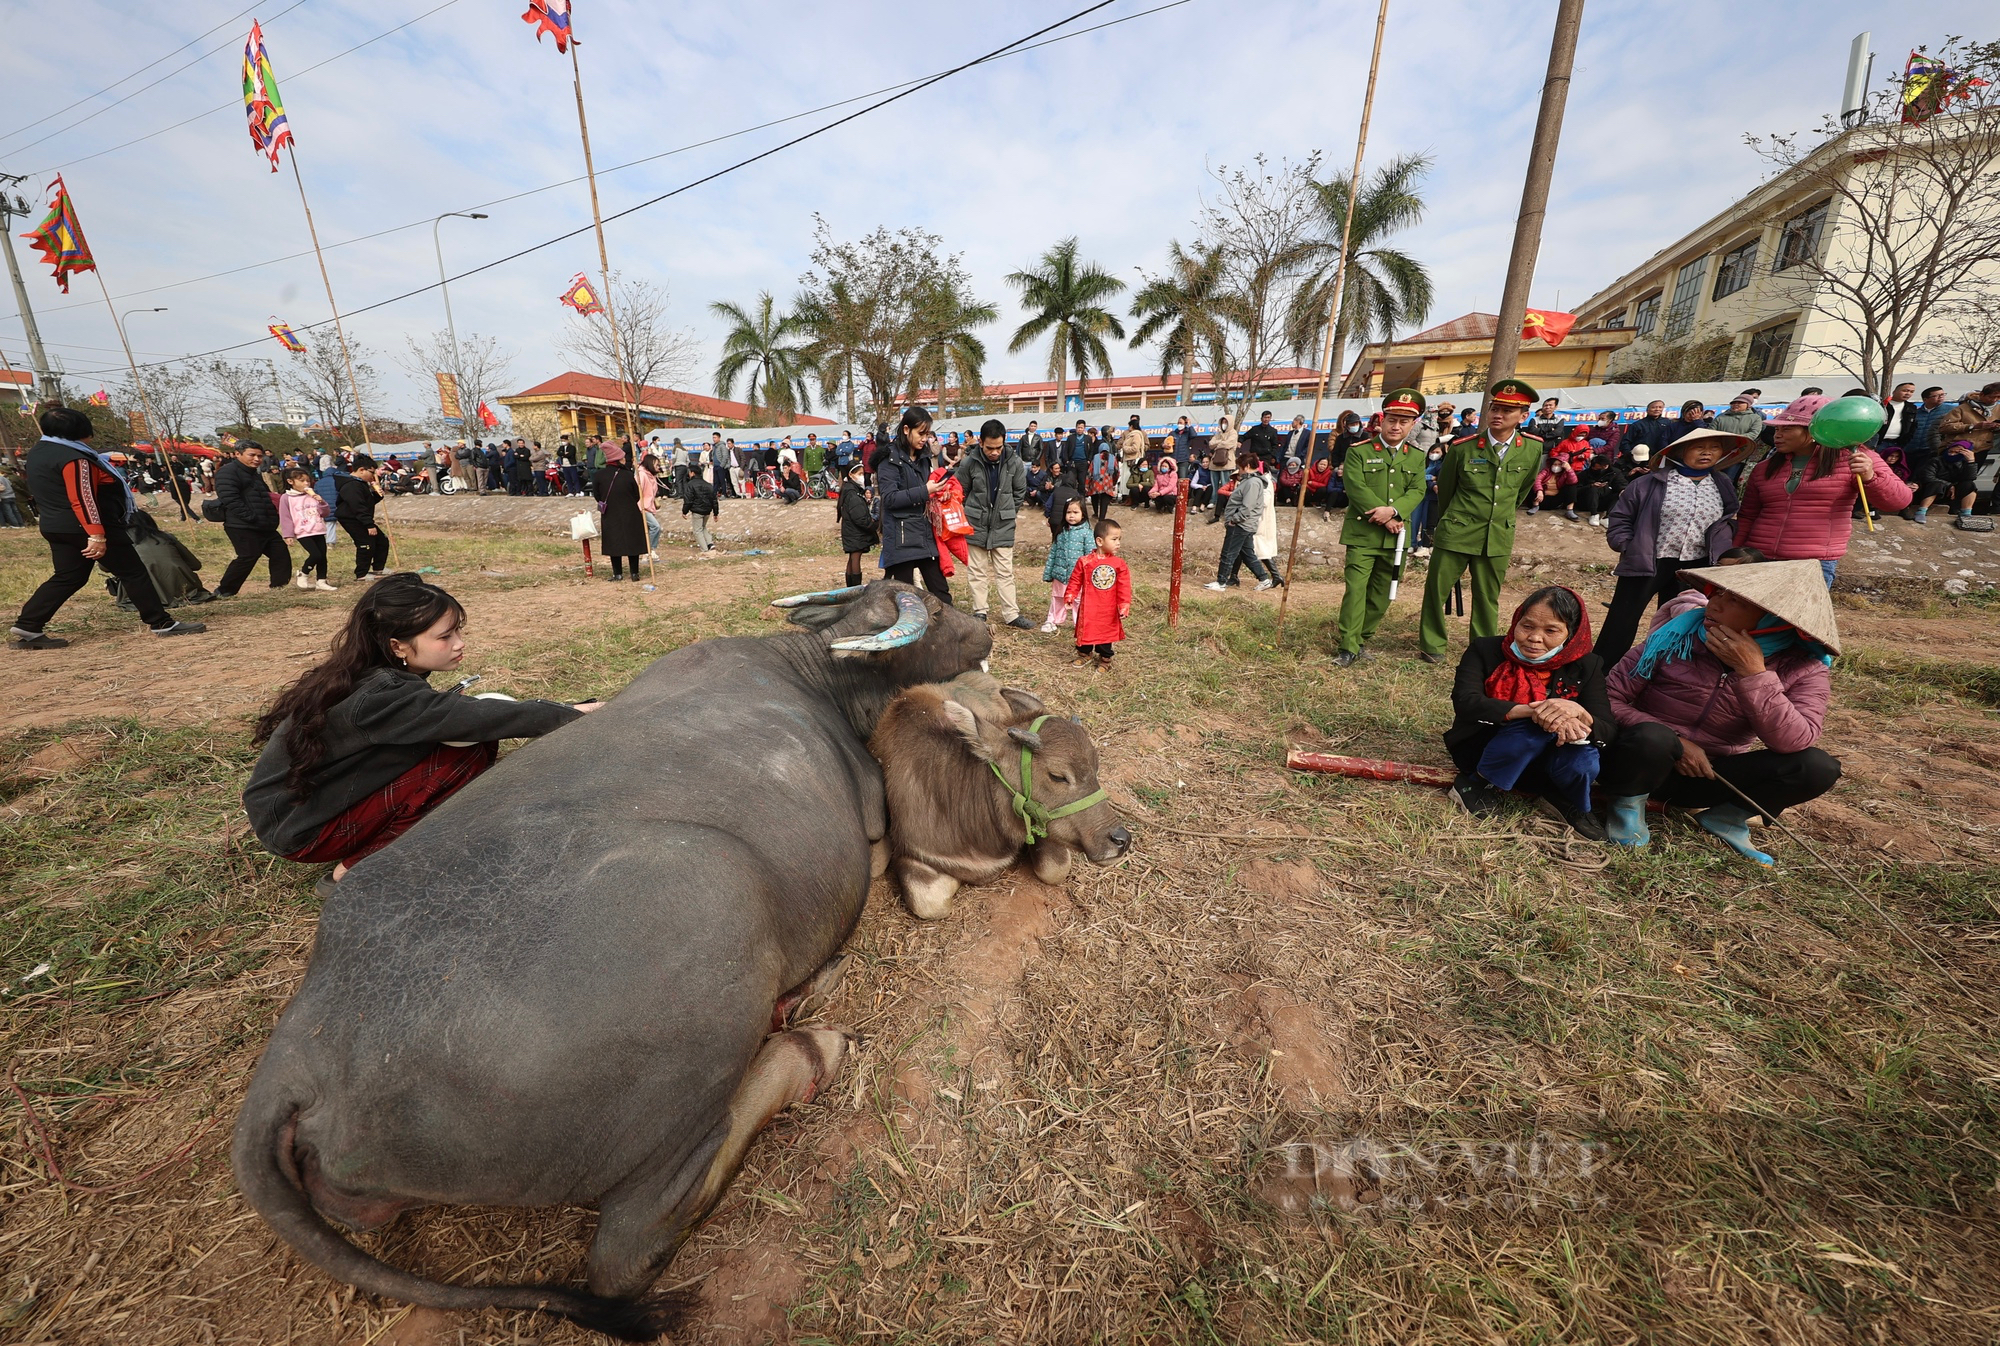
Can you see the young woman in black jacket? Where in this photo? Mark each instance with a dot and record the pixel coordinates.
(1531, 710)
(904, 488)
(857, 521)
(362, 746)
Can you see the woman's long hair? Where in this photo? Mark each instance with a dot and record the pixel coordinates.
(396, 607)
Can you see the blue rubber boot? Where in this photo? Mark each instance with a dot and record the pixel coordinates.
(1625, 821)
(1731, 822)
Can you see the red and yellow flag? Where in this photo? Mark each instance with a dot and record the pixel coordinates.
(60, 238)
(1547, 324)
(262, 107)
(287, 337)
(581, 297)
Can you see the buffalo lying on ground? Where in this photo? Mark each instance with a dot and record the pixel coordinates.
(560, 987)
(977, 774)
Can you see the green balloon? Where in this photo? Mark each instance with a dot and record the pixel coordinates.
(1847, 421)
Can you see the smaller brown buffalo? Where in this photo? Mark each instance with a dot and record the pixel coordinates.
(976, 774)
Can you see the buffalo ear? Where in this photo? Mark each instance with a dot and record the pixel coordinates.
(1027, 738)
(966, 725)
(1023, 702)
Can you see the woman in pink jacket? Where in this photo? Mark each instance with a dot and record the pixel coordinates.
(1798, 504)
(1729, 690)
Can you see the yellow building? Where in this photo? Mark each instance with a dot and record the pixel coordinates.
(1453, 357)
(586, 404)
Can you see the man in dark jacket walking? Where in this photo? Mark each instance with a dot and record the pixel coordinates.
(996, 484)
(354, 509)
(83, 506)
(249, 520)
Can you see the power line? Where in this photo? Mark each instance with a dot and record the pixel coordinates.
(29, 126)
(22, 149)
(236, 102)
(910, 86)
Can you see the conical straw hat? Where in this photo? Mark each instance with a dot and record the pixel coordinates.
(1794, 591)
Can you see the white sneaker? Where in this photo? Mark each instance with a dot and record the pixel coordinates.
(324, 587)
(304, 580)
(1262, 585)
(1216, 586)
(1048, 628)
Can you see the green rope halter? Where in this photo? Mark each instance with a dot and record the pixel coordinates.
(1035, 816)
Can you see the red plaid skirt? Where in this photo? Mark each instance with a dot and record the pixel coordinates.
(374, 822)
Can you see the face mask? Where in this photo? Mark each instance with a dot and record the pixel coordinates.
(1527, 658)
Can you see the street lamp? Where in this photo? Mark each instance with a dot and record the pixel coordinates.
(438, 247)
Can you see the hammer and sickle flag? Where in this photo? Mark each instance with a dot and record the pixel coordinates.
(581, 297)
(1547, 324)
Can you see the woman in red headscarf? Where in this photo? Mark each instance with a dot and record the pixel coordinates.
(1530, 709)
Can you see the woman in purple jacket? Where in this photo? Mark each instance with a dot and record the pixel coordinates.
(1729, 690)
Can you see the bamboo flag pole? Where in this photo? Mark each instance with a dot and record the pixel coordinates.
(1333, 315)
(604, 259)
(145, 402)
(338, 331)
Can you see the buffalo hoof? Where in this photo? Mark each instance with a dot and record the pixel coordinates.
(1051, 863)
(828, 1046)
(926, 892)
(878, 859)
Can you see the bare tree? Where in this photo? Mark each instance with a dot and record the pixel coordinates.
(238, 388)
(317, 379)
(1965, 340)
(174, 395)
(1262, 221)
(478, 364)
(1912, 227)
(655, 353)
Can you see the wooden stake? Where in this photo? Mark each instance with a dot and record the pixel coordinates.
(139, 386)
(604, 258)
(1180, 546)
(326, 280)
(1333, 314)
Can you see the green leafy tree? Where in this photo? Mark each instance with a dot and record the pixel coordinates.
(946, 354)
(871, 306)
(1385, 287)
(1066, 297)
(1182, 308)
(762, 347)
(840, 328)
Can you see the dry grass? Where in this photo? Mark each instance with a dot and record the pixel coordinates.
(1073, 1114)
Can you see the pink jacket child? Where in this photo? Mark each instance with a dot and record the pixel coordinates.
(1166, 479)
(301, 514)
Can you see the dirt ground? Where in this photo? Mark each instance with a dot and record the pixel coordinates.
(1059, 1121)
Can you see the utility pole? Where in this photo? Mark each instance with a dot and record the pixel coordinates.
(13, 204)
(1535, 193)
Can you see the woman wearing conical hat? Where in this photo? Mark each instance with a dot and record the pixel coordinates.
(1729, 689)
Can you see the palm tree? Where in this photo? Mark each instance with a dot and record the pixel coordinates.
(1065, 296)
(840, 332)
(760, 346)
(945, 350)
(1182, 306)
(1385, 287)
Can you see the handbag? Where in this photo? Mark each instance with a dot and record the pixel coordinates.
(583, 527)
(211, 509)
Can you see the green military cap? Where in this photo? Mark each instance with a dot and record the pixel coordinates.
(1513, 393)
(1404, 399)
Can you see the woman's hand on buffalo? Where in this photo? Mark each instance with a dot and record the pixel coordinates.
(588, 706)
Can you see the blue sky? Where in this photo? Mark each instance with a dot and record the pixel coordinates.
(1109, 136)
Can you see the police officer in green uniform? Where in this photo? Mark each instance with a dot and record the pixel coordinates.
(1482, 484)
(1385, 484)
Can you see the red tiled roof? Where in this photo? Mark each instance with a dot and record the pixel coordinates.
(1127, 383)
(570, 383)
(20, 376)
(1469, 327)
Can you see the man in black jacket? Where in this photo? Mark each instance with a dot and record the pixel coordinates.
(354, 510)
(1264, 439)
(249, 520)
(83, 507)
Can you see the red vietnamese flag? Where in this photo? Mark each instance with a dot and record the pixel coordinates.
(1550, 326)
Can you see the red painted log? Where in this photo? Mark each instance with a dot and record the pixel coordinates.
(1370, 768)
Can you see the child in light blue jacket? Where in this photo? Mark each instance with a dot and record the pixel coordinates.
(1069, 547)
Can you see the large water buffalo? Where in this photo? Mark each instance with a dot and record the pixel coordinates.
(560, 986)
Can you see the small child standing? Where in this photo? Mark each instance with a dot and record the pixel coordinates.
(1065, 551)
(302, 518)
(1100, 589)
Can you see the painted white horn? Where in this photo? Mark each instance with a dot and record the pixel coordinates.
(821, 598)
(912, 620)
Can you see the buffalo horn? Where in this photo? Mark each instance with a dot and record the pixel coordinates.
(825, 597)
(912, 620)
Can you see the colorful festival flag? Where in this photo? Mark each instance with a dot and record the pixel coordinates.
(261, 105)
(1930, 87)
(227, 440)
(581, 297)
(551, 17)
(60, 237)
(287, 337)
(486, 417)
(101, 398)
(448, 397)
(1547, 324)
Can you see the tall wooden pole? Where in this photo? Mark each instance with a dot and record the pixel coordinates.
(352, 385)
(1333, 314)
(1535, 194)
(604, 259)
(139, 386)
